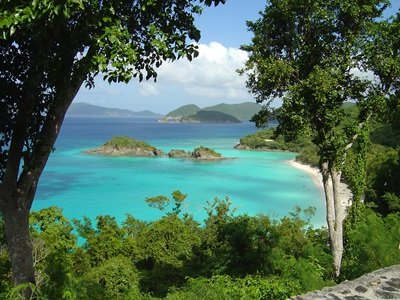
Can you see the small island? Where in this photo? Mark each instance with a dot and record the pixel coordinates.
(126, 146)
(199, 153)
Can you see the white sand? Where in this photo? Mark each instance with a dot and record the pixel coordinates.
(316, 176)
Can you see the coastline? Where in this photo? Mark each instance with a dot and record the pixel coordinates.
(314, 173)
(316, 176)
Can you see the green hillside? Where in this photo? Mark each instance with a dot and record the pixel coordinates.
(186, 110)
(205, 116)
(242, 111)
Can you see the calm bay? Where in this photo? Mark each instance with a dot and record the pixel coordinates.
(86, 185)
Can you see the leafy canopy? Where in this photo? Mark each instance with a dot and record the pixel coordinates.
(305, 52)
(49, 48)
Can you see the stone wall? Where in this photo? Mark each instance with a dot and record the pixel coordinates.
(381, 284)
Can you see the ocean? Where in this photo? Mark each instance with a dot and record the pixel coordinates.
(87, 185)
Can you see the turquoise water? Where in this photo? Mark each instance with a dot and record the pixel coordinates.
(85, 185)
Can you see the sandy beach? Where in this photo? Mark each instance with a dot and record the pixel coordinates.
(316, 176)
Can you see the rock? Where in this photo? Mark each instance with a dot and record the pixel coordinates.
(204, 153)
(381, 284)
(242, 147)
(175, 153)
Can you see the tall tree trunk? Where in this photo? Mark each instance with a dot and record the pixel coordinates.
(337, 246)
(334, 213)
(16, 221)
(18, 189)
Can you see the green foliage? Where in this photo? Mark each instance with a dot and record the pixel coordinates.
(209, 116)
(120, 142)
(106, 240)
(305, 54)
(117, 277)
(53, 242)
(166, 247)
(383, 191)
(268, 139)
(241, 111)
(161, 202)
(372, 243)
(5, 264)
(381, 55)
(229, 257)
(226, 287)
(385, 135)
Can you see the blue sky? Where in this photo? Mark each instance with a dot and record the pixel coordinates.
(208, 80)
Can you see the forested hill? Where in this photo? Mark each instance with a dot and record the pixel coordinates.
(90, 110)
(239, 112)
(242, 111)
(185, 110)
(204, 116)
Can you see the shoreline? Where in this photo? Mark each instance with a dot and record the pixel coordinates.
(314, 173)
(316, 176)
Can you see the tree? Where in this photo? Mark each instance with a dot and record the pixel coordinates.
(307, 52)
(48, 50)
(382, 57)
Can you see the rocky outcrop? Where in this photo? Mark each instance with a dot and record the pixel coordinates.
(242, 147)
(200, 153)
(381, 284)
(105, 150)
(175, 153)
(205, 153)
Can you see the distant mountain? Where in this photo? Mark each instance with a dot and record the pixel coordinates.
(184, 111)
(242, 111)
(206, 116)
(89, 110)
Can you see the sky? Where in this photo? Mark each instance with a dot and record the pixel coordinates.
(208, 80)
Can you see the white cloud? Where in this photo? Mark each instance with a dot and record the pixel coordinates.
(147, 88)
(209, 79)
(212, 74)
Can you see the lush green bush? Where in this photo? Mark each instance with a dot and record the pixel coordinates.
(228, 257)
(223, 287)
(383, 177)
(371, 243)
(117, 277)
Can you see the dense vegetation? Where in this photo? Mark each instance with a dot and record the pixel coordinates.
(209, 116)
(119, 142)
(315, 56)
(228, 257)
(268, 140)
(242, 111)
